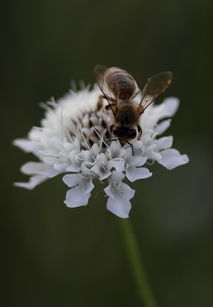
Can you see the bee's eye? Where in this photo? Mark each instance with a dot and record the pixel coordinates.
(116, 131)
(132, 133)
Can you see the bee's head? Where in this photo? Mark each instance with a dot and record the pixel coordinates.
(123, 132)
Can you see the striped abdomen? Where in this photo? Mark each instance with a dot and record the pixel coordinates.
(120, 82)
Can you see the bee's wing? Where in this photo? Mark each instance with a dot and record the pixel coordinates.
(99, 74)
(155, 86)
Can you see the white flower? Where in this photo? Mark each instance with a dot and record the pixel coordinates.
(72, 140)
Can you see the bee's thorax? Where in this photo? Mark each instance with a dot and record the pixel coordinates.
(126, 114)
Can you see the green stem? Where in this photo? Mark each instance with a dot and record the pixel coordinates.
(136, 264)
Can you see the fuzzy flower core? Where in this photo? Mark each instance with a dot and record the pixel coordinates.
(73, 138)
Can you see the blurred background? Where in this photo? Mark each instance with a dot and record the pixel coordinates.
(55, 256)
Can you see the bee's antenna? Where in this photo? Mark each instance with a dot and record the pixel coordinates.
(110, 105)
(117, 139)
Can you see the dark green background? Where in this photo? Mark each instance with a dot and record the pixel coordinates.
(55, 256)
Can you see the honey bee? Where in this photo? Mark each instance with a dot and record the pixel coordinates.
(119, 88)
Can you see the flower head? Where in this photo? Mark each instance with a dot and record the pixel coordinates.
(73, 140)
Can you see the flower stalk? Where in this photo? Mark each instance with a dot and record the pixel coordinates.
(136, 263)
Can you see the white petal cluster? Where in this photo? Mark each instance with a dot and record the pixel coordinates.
(72, 141)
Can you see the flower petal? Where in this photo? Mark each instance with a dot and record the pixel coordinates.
(50, 173)
(30, 168)
(137, 160)
(76, 197)
(154, 113)
(126, 191)
(84, 183)
(72, 180)
(87, 186)
(153, 155)
(60, 166)
(169, 107)
(163, 126)
(102, 172)
(94, 150)
(117, 177)
(123, 190)
(72, 168)
(33, 182)
(118, 164)
(116, 150)
(25, 145)
(119, 206)
(171, 158)
(164, 142)
(134, 173)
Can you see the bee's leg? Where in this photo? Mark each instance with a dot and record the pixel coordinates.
(111, 99)
(111, 128)
(99, 103)
(139, 131)
(110, 106)
(109, 134)
(131, 147)
(110, 140)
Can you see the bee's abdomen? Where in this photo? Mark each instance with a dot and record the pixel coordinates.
(120, 83)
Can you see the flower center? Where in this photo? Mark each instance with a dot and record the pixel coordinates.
(93, 128)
